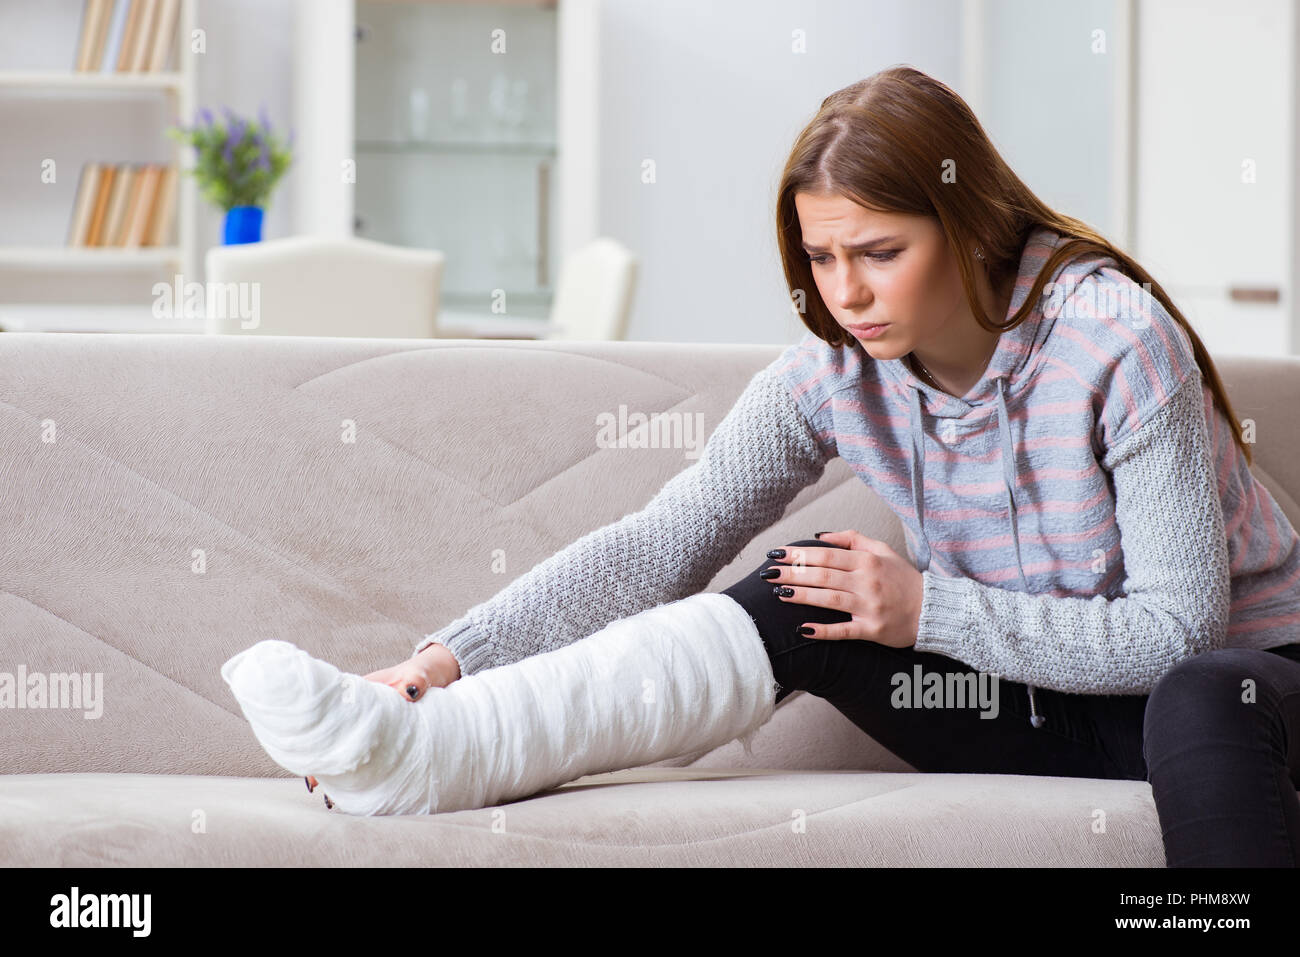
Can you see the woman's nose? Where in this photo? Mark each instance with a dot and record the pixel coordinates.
(850, 291)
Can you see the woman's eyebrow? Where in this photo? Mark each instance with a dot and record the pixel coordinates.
(855, 247)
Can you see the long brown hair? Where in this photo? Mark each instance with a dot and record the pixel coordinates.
(886, 142)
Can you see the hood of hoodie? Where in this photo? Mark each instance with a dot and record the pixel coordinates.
(1008, 372)
(1017, 348)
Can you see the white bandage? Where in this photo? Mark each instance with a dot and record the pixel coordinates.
(679, 678)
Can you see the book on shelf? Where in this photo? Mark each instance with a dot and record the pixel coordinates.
(127, 36)
(106, 177)
(116, 214)
(82, 207)
(164, 208)
(137, 232)
(94, 31)
(124, 205)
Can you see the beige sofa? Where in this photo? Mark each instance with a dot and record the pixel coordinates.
(170, 500)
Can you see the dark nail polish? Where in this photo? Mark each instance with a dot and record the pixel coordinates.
(769, 573)
(782, 590)
(329, 805)
(804, 630)
(819, 535)
(776, 553)
(412, 691)
(307, 781)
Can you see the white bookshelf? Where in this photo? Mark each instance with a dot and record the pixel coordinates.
(88, 257)
(56, 87)
(72, 317)
(110, 82)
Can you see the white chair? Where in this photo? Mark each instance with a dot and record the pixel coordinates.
(593, 294)
(325, 286)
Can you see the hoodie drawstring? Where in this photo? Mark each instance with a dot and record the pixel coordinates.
(918, 480)
(1008, 479)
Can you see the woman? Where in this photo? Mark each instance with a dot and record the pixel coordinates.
(1070, 475)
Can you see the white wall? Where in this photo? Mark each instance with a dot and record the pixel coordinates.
(712, 93)
(1048, 97)
(323, 50)
(249, 62)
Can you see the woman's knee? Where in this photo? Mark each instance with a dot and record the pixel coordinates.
(1209, 694)
(797, 660)
(759, 598)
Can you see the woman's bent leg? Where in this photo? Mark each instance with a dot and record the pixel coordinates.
(1222, 742)
(880, 689)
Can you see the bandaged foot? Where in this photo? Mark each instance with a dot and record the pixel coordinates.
(683, 677)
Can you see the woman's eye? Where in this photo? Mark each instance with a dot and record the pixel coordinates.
(876, 257)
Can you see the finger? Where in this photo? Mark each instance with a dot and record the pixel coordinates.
(311, 783)
(826, 556)
(810, 576)
(835, 631)
(855, 540)
(411, 684)
(861, 543)
(831, 598)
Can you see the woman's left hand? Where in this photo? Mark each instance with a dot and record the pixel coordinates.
(867, 579)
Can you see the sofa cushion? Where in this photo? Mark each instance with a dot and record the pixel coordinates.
(647, 816)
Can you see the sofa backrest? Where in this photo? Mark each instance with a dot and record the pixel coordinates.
(169, 500)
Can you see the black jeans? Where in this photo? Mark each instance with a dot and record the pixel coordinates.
(1223, 765)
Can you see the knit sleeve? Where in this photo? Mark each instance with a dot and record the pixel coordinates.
(762, 453)
(1176, 591)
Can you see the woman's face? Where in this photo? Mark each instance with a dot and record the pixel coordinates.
(906, 278)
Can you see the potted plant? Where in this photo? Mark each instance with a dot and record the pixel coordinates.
(237, 164)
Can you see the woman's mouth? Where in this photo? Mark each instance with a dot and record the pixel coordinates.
(868, 331)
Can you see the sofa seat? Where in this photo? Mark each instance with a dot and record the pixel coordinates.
(681, 817)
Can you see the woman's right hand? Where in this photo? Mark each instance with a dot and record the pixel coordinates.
(434, 667)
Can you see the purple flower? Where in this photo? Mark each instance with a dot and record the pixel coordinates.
(205, 115)
(263, 148)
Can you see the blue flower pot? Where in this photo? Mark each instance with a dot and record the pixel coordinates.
(243, 225)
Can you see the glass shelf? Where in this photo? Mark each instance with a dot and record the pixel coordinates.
(462, 299)
(456, 146)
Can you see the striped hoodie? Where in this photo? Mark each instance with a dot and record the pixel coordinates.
(1082, 517)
